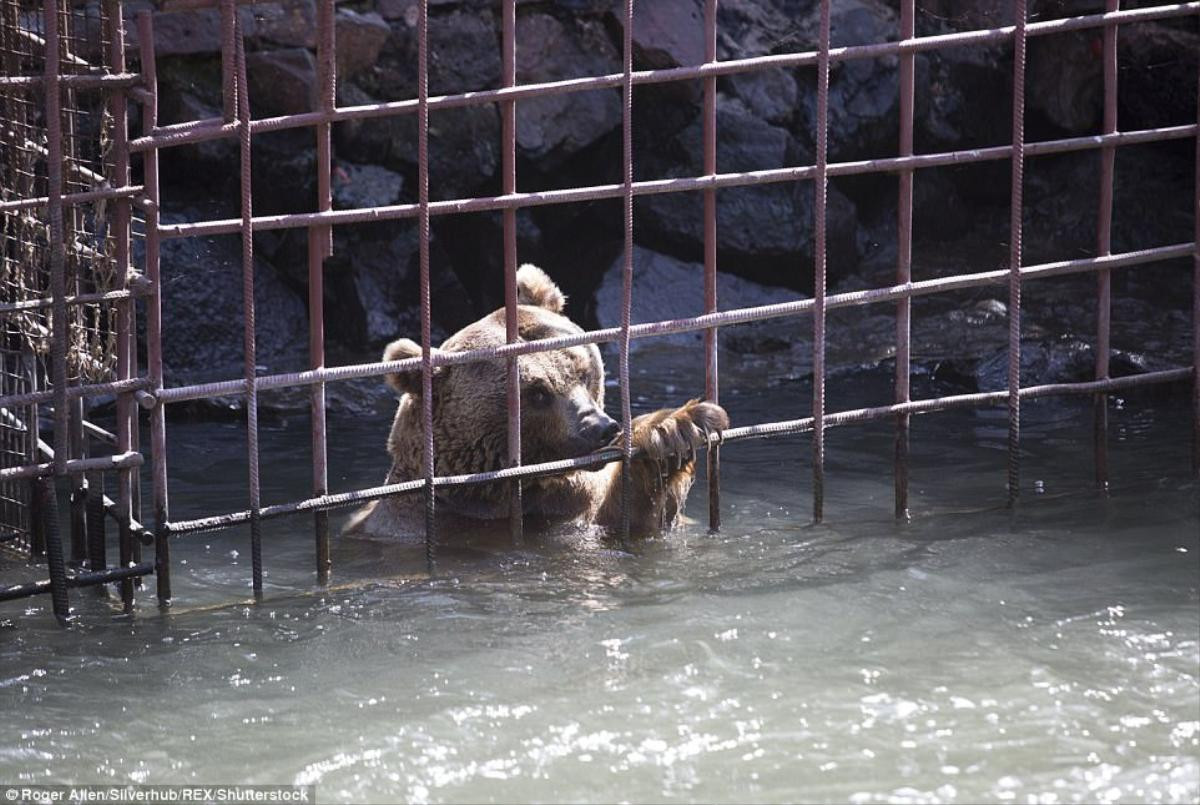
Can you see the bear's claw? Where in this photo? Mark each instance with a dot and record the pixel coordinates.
(671, 438)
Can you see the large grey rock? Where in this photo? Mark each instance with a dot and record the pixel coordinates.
(554, 127)
(360, 37)
(290, 23)
(666, 33)
(758, 227)
(282, 82)
(356, 186)
(667, 288)
(771, 95)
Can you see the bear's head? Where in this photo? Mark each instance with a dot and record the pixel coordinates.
(562, 391)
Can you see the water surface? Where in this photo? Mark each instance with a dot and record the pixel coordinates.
(1046, 655)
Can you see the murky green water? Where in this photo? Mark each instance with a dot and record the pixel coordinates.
(971, 655)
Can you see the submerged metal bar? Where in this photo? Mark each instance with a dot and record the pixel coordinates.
(248, 335)
(214, 128)
(691, 324)
(508, 171)
(122, 574)
(711, 369)
(1014, 257)
(655, 186)
(1104, 246)
(320, 246)
(611, 454)
(820, 187)
(427, 454)
(154, 357)
(626, 270)
(904, 231)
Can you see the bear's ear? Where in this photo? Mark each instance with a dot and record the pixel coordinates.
(405, 382)
(534, 287)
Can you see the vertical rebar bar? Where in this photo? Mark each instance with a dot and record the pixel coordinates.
(1196, 300)
(77, 524)
(248, 335)
(154, 357)
(626, 271)
(1104, 217)
(126, 363)
(904, 231)
(711, 375)
(820, 188)
(96, 542)
(320, 246)
(1014, 257)
(58, 290)
(228, 17)
(427, 455)
(508, 147)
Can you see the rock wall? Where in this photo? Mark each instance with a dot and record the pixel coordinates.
(765, 120)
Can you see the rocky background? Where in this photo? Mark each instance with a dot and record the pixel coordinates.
(765, 120)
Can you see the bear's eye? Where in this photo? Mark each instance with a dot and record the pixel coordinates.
(538, 395)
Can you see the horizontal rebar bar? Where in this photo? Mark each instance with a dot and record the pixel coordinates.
(215, 128)
(82, 299)
(610, 454)
(74, 465)
(675, 185)
(724, 318)
(93, 390)
(106, 81)
(72, 198)
(89, 579)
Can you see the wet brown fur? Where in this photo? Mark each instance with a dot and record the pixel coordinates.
(470, 433)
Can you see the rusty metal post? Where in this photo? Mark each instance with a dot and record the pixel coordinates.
(904, 230)
(58, 286)
(508, 147)
(1015, 256)
(626, 270)
(711, 374)
(820, 188)
(154, 358)
(126, 343)
(427, 454)
(78, 483)
(1196, 301)
(249, 347)
(320, 246)
(1104, 247)
(228, 14)
(97, 547)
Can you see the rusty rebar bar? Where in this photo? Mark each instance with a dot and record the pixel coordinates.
(1015, 256)
(154, 356)
(820, 188)
(626, 270)
(427, 446)
(712, 383)
(1104, 217)
(508, 177)
(320, 246)
(904, 230)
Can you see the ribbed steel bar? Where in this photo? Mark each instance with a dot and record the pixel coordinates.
(91, 390)
(154, 357)
(1196, 299)
(904, 229)
(16, 591)
(71, 199)
(691, 324)
(626, 270)
(80, 299)
(1014, 256)
(126, 362)
(228, 23)
(1104, 216)
(74, 465)
(820, 188)
(712, 383)
(427, 446)
(320, 246)
(249, 347)
(508, 178)
(765, 429)
(85, 81)
(656, 186)
(58, 291)
(214, 128)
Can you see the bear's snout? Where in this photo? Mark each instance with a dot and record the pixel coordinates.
(598, 429)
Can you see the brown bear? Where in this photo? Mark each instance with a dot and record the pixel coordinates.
(562, 405)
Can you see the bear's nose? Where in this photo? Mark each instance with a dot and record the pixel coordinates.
(600, 429)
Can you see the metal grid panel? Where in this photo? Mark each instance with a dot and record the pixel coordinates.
(236, 122)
